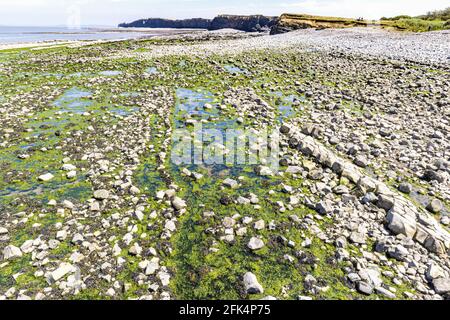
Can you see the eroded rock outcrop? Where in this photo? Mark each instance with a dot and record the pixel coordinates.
(403, 217)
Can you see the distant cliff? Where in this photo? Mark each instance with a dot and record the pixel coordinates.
(244, 23)
(196, 23)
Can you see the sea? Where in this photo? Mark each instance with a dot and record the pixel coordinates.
(16, 35)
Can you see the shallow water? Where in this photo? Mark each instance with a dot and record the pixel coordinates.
(152, 70)
(124, 111)
(234, 70)
(285, 105)
(73, 100)
(13, 35)
(110, 73)
(191, 105)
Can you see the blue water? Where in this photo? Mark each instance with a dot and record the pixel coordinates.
(110, 73)
(152, 70)
(234, 69)
(12, 35)
(74, 100)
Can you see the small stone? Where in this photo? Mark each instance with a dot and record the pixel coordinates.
(255, 244)
(101, 194)
(259, 225)
(170, 226)
(178, 203)
(361, 161)
(385, 292)
(324, 207)
(430, 175)
(445, 220)
(94, 206)
(164, 277)
(46, 177)
(284, 129)
(263, 171)
(77, 239)
(11, 252)
(442, 285)
(435, 206)
(229, 222)
(63, 269)
(136, 249)
(134, 190)
(71, 174)
(357, 237)
(111, 292)
(68, 167)
(251, 284)
(399, 253)
(434, 272)
(152, 266)
(364, 288)
(385, 202)
(68, 205)
(61, 235)
(405, 188)
(230, 183)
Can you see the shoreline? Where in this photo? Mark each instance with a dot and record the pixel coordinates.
(145, 34)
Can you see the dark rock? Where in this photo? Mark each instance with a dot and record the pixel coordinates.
(430, 175)
(196, 23)
(226, 200)
(253, 23)
(405, 188)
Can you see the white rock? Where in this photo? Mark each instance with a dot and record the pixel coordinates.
(63, 270)
(11, 252)
(178, 203)
(251, 284)
(101, 194)
(255, 244)
(68, 167)
(61, 235)
(71, 174)
(46, 177)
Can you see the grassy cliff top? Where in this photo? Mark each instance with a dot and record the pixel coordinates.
(430, 22)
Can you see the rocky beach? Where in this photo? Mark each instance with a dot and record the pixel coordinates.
(93, 205)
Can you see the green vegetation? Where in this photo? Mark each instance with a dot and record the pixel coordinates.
(432, 21)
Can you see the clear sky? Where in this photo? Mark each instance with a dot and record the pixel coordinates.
(112, 12)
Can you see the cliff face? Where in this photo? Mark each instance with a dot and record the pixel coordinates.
(243, 23)
(196, 23)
